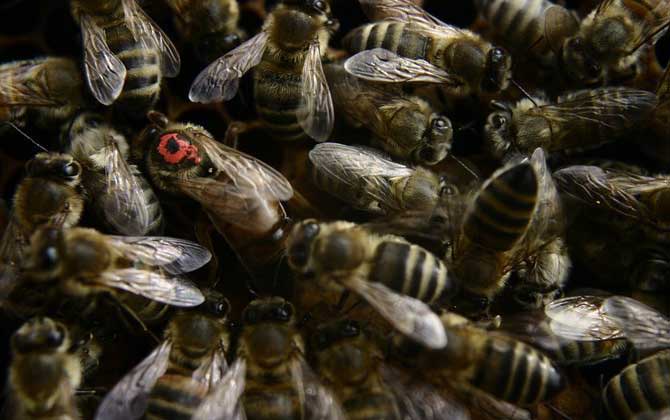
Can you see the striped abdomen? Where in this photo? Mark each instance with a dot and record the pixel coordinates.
(370, 406)
(392, 36)
(412, 271)
(143, 75)
(587, 352)
(503, 209)
(153, 205)
(277, 90)
(268, 396)
(643, 386)
(515, 372)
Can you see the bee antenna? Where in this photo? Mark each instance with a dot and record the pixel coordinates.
(23, 133)
(526, 94)
(466, 167)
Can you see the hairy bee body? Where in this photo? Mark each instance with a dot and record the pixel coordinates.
(640, 387)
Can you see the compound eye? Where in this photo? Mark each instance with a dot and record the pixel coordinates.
(93, 122)
(221, 308)
(55, 337)
(310, 230)
(498, 121)
(49, 258)
(351, 329)
(71, 169)
(497, 55)
(441, 124)
(319, 6)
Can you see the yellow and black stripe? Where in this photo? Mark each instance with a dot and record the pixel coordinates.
(370, 406)
(395, 37)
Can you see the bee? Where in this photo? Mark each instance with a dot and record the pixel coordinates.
(656, 146)
(45, 91)
(43, 375)
(209, 25)
(406, 126)
(290, 89)
(610, 36)
(176, 377)
(513, 222)
(394, 276)
(410, 45)
(487, 362)
(125, 53)
(240, 193)
(578, 120)
(278, 382)
(368, 180)
(50, 195)
(119, 192)
(81, 262)
(350, 362)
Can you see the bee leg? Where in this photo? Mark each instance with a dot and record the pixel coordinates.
(91, 391)
(342, 301)
(236, 128)
(203, 233)
(133, 315)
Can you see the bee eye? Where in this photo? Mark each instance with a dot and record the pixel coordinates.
(497, 55)
(498, 121)
(49, 257)
(282, 313)
(71, 169)
(350, 329)
(93, 122)
(440, 124)
(55, 338)
(319, 6)
(153, 131)
(310, 230)
(220, 308)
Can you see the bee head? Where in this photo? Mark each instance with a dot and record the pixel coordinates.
(215, 304)
(330, 334)
(55, 166)
(300, 244)
(497, 130)
(40, 334)
(579, 61)
(47, 248)
(268, 330)
(437, 141)
(295, 23)
(498, 71)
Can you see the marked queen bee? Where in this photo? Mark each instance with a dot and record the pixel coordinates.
(125, 53)
(411, 46)
(290, 89)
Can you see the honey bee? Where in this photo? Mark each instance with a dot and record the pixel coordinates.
(209, 25)
(290, 89)
(412, 46)
(487, 362)
(514, 222)
(49, 195)
(46, 91)
(125, 53)
(175, 378)
(81, 262)
(118, 191)
(278, 382)
(394, 276)
(43, 375)
(240, 193)
(577, 120)
(610, 36)
(369, 181)
(353, 366)
(405, 126)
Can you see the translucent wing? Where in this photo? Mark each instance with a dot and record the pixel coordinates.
(404, 11)
(360, 170)
(410, 316)
(105, 73)
(559, 24)
(125, 205)
(220, 80)
(384, 66)
(213, 369)
(128, 399)
(582, 318)
(315, 114)
(153, 285)
(663, 90)
(223, 402)
(318, 401)
(417, 400)
(613, 108)
(12, 249)
(591, 186)
(174, 255)
(145, 30)
(645, 327)
(18, 86)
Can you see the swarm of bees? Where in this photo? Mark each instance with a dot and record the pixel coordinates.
(335, 209)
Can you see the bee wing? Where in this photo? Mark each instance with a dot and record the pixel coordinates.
(663, 90)
(488, 407)
(533, 327)
(352, 166)
(223, 402)
(129, 397)
(404, 11)
(318, 402)
(591, 186)
(105, 73)
(418, 400)
(559, 24)
(408, 315)
(12, 248)
(153, 285)
(220, 80)
(212, 370)
(315, 113)
(125, 205)
(174, 255)
(18, 87)
(582, 318)
(383, 66)
(643, 326)
(145, 30)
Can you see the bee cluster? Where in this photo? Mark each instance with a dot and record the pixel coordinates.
(344, 209)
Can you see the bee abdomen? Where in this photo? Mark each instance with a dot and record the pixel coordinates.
(640, 387)
(277, 97)
(272, 404)
(369, 406)
(411, 270)
(503, 209)
(515, 372)
(152, 204)
(589, 352)
(392, 36)
(519, 22)
(175, 397)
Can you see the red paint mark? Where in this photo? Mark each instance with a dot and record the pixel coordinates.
(174, 149)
